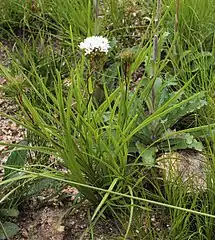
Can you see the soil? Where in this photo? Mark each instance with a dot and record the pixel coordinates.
(57, 221)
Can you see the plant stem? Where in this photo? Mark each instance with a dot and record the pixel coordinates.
(96, 11)
(176, 16)
(177, 4)
(155, 51)
(96, 7)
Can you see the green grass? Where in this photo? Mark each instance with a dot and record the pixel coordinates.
(105, 133)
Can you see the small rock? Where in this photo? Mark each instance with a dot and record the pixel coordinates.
(188, 166)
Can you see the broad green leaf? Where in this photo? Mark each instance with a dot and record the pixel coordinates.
(9, 228)
(16, 158)
(147, 154)
(39, 185)
(189, 139)
(10, 212)
(180, 141)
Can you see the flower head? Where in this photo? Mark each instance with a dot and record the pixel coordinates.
(127, 55)
(95, 45)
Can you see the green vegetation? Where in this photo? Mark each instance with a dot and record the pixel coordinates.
(108, 118)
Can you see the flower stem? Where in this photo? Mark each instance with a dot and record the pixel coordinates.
(177, 4)
(96, 11)
(155, 52)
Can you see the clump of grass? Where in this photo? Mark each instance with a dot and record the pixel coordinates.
(108, 139)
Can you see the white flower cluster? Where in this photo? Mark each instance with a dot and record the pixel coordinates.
(95, 44)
